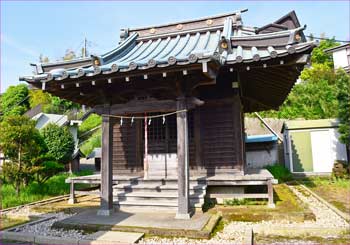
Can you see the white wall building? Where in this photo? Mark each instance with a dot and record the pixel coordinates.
(341, 56)
(312, 146)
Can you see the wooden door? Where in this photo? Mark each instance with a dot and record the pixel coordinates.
(161, 148)
(321, 151)
(301, 151)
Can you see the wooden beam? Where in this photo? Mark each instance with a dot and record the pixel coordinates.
(149, 105)
(208, 71)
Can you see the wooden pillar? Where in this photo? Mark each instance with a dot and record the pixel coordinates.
(197, 137)
(238, 116)
(138, 143)
(106, 205)
(183, 211)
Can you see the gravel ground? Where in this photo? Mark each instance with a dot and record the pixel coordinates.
(325, 217)
(44, 228)
(233, 232)
(237, 232)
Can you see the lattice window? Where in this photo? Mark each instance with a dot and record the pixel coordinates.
(156, 130)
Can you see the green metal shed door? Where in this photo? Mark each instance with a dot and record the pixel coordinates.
(301, 151)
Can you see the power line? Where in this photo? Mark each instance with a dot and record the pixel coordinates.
(325, 38)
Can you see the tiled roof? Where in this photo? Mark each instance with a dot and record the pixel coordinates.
(183, 47)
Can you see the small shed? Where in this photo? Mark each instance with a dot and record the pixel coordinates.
(96, 154)
(261, 150)
(312, 146)
(262, 147)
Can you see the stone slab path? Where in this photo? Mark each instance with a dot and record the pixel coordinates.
(116, 237)
(149, 220)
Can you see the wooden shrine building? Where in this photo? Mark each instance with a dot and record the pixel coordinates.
(173, 96)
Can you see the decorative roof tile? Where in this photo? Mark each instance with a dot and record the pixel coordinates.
(193, 43)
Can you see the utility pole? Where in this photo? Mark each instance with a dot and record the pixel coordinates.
(85, 51)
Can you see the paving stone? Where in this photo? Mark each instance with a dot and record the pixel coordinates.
(115, 236)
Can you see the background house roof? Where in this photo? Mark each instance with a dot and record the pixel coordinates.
(253, 126)
(310, 124)
(337, 48)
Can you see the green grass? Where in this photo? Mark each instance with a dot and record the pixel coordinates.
(325, 181)
(93, 142)
(280, 172)
(8, 222)
(243, 201)
(334, 190)
(91, 122)
(288, 207)
(55, 186)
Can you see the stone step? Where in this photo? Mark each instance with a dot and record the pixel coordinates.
(154, 199)
(160, 181)
(156, 187)
(153, 196)
(162, 193)
(151, 204)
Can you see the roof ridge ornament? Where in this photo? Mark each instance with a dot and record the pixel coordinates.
(124, 33)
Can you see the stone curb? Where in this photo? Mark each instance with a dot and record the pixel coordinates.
(97, 242)
(55, 240)
(17, 236)
(29, 237)
(333, 208)
(249, 238)
(297, 231)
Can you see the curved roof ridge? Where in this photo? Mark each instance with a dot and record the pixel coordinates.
(119, 49)
(189, 21)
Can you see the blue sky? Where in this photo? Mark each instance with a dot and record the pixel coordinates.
(29, 29)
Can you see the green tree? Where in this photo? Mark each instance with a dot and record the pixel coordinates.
(37, 97)
(69, 55)
(59, 141)
(316, 96)
(21, 142)
(318, 55)
(62, 104)
(52, 104)
(343, 84)
(48, 168)
(14, 100)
